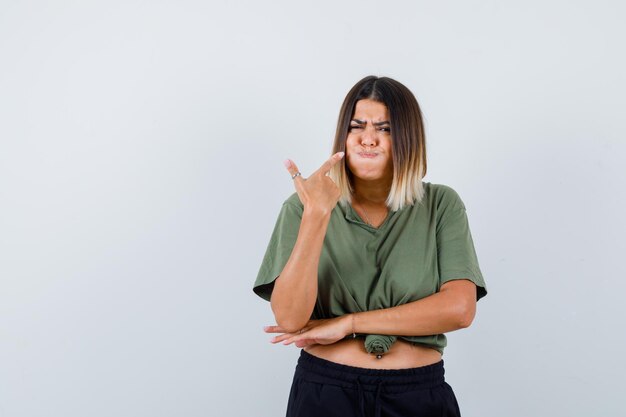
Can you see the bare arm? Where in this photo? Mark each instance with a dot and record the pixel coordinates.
(295, 290)
(452, 308)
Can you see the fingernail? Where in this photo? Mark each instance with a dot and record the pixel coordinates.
(287, 163)
(341, 154)
(266, 327)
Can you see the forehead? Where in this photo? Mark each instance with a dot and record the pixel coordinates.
(367, 109)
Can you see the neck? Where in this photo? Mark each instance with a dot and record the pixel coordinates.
(372, 192)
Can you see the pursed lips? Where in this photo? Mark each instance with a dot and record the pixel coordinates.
(367, 154)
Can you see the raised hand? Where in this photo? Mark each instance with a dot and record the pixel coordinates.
(317, 192)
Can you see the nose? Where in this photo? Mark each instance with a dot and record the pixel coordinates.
(368, 138)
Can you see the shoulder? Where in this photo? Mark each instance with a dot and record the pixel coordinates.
(443, 196)
(292, 206)
(294, 200)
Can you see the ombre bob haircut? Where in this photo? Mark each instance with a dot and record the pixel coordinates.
(408, 143)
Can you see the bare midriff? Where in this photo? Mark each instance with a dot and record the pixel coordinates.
(351, 352)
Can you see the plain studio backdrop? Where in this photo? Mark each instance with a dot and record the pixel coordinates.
(141, 149)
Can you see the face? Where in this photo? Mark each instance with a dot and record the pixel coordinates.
(368, 145)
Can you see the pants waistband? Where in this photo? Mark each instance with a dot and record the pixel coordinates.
(394, 380)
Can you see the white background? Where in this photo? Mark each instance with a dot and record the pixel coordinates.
(141, 148)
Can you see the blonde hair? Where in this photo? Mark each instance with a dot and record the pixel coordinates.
(408, 141)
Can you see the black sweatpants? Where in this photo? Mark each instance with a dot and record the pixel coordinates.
(323, 388)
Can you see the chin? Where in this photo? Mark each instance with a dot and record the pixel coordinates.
(368, 176)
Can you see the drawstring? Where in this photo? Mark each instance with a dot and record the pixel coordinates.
(362, 397)
(377, 402)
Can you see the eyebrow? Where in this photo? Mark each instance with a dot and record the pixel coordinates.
(363, 122)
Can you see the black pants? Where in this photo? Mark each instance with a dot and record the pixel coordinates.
(323, 388)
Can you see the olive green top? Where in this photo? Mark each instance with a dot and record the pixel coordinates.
(408, 257)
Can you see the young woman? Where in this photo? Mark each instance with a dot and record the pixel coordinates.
(368, 266)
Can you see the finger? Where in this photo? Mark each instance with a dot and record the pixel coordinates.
(280, 338)
(273, 329)
(292, 338)
(292, 168)
(330, 162)
(305, 343)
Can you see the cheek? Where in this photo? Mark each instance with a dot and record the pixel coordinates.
(387, 143)
(351, 147)
(389, 151)
(349, 162)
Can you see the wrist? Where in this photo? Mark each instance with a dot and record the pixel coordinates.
(349, 325)
(316, 213)
(353, 330)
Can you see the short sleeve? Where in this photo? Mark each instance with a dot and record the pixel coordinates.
(455, 248)
(279, 248)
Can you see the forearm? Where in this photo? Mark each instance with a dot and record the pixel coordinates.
(295, 290)
(441, 312)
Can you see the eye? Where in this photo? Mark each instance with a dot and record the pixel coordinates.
(385, 129)
(352, 127)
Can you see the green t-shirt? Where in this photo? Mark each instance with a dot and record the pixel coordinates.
(361, 268)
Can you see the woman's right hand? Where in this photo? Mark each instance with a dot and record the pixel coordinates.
(318, 192)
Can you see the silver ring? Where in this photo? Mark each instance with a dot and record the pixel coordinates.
(293, 177)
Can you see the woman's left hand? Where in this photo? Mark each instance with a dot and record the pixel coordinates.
(323, 332)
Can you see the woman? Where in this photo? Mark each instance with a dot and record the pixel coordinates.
(368, 266)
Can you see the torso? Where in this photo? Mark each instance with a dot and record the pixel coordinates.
(351, 352)
(395, 265)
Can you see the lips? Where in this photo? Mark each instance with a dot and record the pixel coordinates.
(367, 155)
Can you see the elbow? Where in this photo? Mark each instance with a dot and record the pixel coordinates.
(289, 325)
(465, 315)
(465, 321)
(460, 302)
(288, 320)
